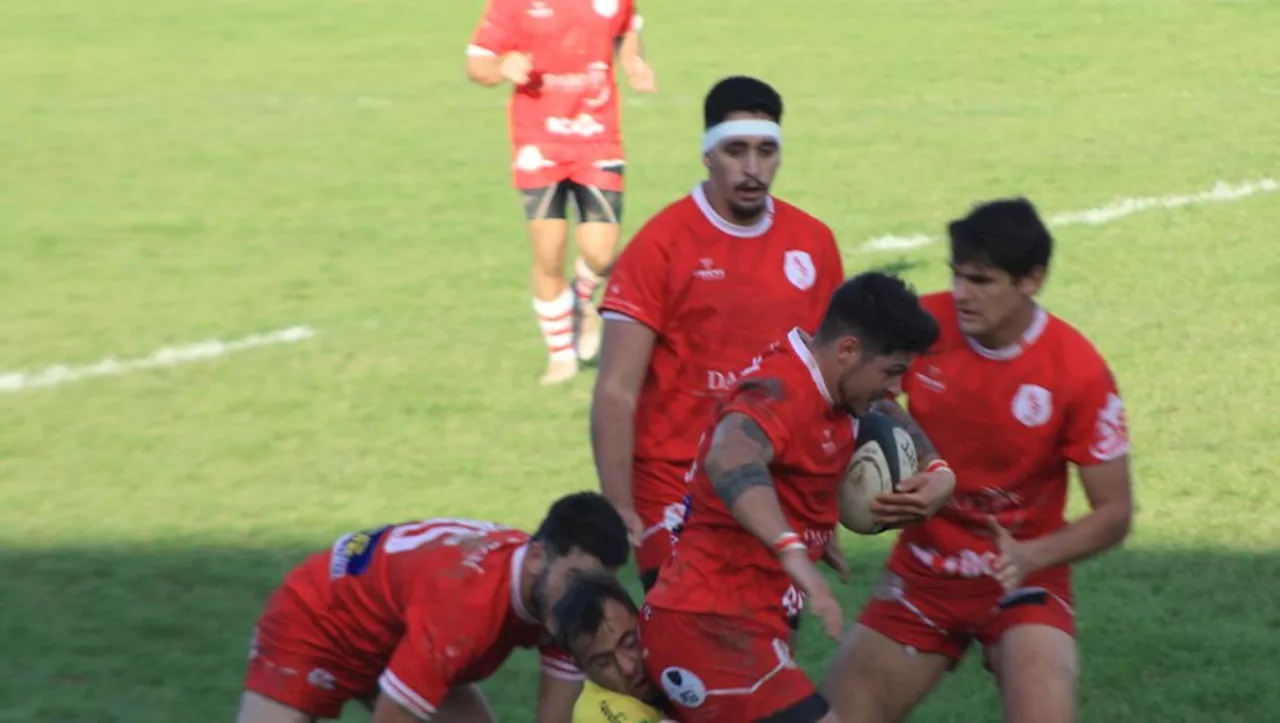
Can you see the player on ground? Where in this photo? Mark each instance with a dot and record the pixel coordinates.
(1010, 396)
(566, 136)
(703, 287)
(596, 622)
(763, 507)
(415, 614)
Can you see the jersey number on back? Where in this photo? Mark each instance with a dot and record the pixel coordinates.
(413, 535)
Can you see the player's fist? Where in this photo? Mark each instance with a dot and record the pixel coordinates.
(818, 598)
(641, 76)
(918, 498)
(516, 67)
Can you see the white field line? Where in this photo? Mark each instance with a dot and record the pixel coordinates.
(169, 356)
(1221, 192)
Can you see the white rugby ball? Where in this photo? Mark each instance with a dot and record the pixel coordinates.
(884, 455)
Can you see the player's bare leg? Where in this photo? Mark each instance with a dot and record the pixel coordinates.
(552, 298)
(465, 704)
(255, 708)
(597, 235)
(1036, 667)
(876, 680)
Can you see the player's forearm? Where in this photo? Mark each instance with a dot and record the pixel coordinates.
(630, 49)
(556, 698)
(747, 490)
(758, 511)
(485, 70)
(613, 445)
(925, 451)
(1096, 532)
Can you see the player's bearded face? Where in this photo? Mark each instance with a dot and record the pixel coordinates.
(865, 379)
(741, 171)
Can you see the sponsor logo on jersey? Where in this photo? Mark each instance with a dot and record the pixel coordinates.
(352, 553)
(683, 687)
(1111, 430)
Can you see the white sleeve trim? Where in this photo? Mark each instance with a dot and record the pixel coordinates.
(399, 692)
(618, 316)
(475, 51)
(561, 669)
(637, 22)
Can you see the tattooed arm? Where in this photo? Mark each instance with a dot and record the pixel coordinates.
(738, 467)
(925, 451)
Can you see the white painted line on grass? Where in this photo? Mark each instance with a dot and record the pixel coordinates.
(1220, 193)
(169, 356)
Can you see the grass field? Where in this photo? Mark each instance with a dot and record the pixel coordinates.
(181, 170)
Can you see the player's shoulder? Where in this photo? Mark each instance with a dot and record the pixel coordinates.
(1067, 343)
(780, 375)
(664, 229)
(599, 705)
(796, 220)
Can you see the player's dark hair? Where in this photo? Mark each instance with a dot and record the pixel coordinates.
(1007, 234)
(581, 610)
(588, 522)
(741, 94)
(882, 312)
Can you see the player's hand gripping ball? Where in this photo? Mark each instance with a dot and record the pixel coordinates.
(884, 455)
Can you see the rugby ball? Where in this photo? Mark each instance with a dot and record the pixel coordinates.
(883, 456)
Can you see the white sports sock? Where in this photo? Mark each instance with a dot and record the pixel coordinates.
(555, 318)
(585, 281)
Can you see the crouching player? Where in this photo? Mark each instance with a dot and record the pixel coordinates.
(1010, 395)
(596, 622)
(763, 506)
(406, 618)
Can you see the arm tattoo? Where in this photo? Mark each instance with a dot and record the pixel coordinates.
(925, 451)
(739, 459)
(730, 484)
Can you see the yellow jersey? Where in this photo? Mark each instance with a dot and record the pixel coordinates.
(597, 705)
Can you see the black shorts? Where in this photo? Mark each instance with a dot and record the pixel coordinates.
(594, 205)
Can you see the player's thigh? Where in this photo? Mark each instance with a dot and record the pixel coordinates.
(290, 666)
(1031, 648)
(257, 708)
(726, 670)
(876, 679)
(465, 704)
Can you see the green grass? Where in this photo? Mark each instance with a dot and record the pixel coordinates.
(184, 170)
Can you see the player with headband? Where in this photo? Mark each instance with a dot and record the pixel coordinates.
(696, 296)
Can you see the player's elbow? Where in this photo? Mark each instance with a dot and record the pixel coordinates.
(1119, 515)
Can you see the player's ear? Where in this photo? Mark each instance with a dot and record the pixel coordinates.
(1031, 283)
(848, 350)
(536, 553)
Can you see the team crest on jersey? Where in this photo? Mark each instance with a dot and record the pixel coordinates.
(605, 8)
(1032, 405)
(352, 553)
(798, 266)
(683, 687)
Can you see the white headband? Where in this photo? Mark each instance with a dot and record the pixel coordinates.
(717, 133)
